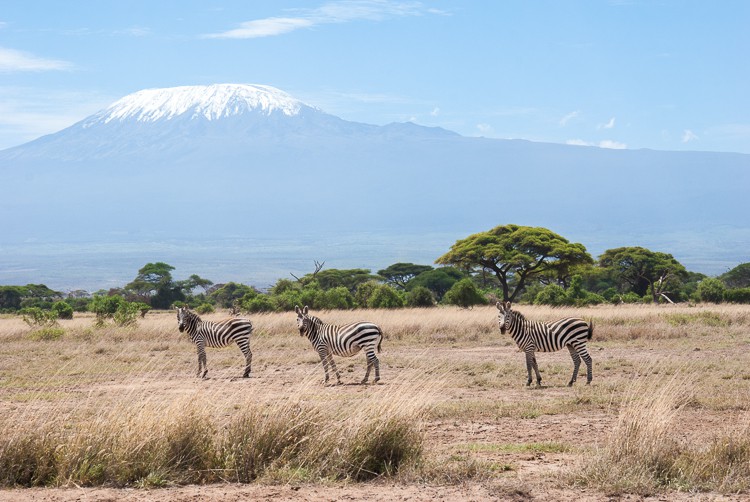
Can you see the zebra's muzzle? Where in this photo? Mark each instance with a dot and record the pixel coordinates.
(181, 328)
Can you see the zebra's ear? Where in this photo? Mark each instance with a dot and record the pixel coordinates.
(499, 306)
(304, 310)
(296, 309)
(507, 305)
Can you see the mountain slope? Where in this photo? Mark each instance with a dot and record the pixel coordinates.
(209, 162)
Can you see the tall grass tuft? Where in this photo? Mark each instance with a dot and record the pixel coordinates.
(640, 453)
(259, 440)
(644, 454)
(145, 442)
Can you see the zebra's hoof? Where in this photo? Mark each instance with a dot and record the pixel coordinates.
(376, 380)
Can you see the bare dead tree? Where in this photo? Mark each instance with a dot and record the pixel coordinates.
(305, 279)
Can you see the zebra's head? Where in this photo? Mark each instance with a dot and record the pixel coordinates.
(303, 319)
(183, 313)
(503, 316)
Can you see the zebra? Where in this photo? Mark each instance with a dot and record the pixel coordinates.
(533, 336)
(329, 340)
(216, 334)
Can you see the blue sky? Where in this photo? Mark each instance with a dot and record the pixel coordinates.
(666, 75)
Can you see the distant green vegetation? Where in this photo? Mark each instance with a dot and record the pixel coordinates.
(509, 262)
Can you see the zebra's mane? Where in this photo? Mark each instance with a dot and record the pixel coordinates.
(191, 315)
(517, 316)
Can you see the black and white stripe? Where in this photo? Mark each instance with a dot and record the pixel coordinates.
(216, 334)
(532, 337)
(329, 340)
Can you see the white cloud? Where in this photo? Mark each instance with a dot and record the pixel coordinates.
(577, 142)
(607, 143)
(615, 145)
(435, 112)
(12, 61)
(688, 136)
(265, 28)
(608, 125)
(332, 12)
(564, 121)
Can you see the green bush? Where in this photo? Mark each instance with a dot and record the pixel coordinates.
(711, 290)
(464, 293)
(126, 314)
(739, 295)
(205, 308)
(335, 298)
(105, 306)
(47, 334)
(385, 297)
(36, 317)
(63, 310)
(364, 292)
(420, 296)
(552, 294)
(258, 303)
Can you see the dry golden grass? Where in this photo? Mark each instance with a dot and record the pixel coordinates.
(122, 406)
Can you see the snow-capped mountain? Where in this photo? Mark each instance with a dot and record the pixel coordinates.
(211, 102)
(206, 162)
(193, 120)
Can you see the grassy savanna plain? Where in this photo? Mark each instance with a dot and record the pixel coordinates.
(118, 413)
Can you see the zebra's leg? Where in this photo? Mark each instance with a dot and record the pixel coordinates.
(576, 364)
(372, 362)
(377, 368)
(202, 363)
(589, 365)
(536, 370)
(335, 369)
(324, 359)
(529, 365)
(248, 363)
(248, 359)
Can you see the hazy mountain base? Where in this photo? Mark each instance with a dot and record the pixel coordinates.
(113, 260)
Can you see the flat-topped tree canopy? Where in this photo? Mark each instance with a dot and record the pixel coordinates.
(515, 251)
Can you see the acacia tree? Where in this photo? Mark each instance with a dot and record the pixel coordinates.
(154, 285)
(399, 274)
(644, 270)
(516, 254)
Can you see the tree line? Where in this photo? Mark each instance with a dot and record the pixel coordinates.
(509, 262)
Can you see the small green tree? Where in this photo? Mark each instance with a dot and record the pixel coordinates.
(552, 294)
(711, 290)
(127, 314)
(438, 280)
(385, 297)
(36, 317)
(105, 307)
(62, 310)
(644, 271)
(464, 294)
(364, 292)
(399, 274)
(336, 298)
(420, 296)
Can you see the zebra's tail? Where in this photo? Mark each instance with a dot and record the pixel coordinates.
(591, 329)
(380, 341)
